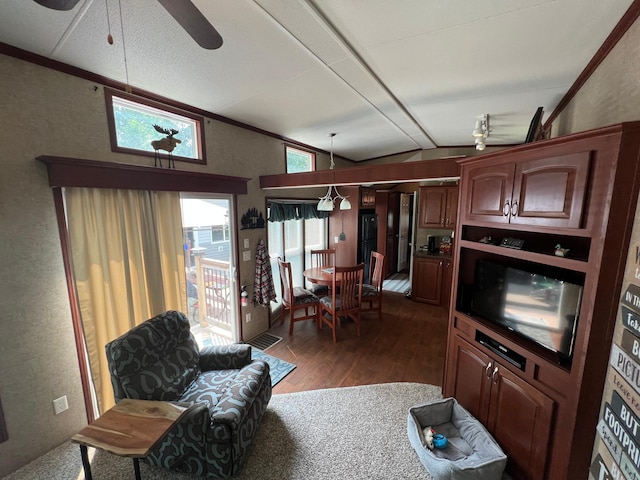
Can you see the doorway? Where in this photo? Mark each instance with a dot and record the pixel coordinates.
(210, 270)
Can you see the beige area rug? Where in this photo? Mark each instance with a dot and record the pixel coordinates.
(350, 432)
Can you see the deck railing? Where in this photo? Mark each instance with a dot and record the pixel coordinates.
(214, 286)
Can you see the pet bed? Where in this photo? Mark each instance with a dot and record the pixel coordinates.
(471, 453)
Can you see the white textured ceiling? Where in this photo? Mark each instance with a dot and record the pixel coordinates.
(387, 76)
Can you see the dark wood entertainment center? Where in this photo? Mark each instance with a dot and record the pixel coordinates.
(579, 191)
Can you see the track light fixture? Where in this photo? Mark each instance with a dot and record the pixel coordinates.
(326, 203)
(481, 132)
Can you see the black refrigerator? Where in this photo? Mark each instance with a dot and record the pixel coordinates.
(367, 240)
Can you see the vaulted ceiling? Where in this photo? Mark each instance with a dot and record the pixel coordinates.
(386, 76)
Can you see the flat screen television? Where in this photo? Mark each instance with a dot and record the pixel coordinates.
(540, 308)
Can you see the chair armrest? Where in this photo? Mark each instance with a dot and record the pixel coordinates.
(236, 401)
(185, 440)
(224, 357)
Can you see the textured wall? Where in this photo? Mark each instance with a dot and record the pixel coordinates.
(50, 113)
(611, 95)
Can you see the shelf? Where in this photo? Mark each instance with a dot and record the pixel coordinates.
(560, 262)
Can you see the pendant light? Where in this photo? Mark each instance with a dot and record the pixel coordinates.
(327, 203)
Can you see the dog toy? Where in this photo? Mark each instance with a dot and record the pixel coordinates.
(428, 437)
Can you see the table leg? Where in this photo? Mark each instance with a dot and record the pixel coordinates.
(136, 468)
(85, 462)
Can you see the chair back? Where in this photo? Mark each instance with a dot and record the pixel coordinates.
(323, 258)
(156, 360)
(376, 272)
(286, 282)
(349, 286)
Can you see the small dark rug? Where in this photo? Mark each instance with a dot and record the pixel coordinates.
(279, 368)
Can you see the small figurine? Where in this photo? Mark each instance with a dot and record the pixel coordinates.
(561, 252)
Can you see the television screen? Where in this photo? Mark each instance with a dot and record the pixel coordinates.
(538, 307)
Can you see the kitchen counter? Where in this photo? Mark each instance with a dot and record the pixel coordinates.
(424, 254)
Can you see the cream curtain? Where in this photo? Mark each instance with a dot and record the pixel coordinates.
(128, 263)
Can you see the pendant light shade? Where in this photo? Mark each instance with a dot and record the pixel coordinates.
(327, 203)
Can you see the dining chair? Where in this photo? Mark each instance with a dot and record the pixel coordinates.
(347, 303)
(372, 292)
(322, 258)
(295, 298)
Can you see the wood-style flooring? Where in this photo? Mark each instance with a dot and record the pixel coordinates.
(408, 345)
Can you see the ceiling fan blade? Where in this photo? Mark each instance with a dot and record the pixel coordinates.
(194, 22)
(58, 4)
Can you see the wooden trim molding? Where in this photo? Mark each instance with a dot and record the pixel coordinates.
(628, 19)
(78, 329)
(4, 434)
(387, 173)
(74, 172)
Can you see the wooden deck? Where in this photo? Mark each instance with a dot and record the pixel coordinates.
(407, 346)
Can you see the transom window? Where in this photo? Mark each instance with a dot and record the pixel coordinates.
(132, 122)
(299, 160)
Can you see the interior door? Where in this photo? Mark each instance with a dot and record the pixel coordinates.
(404, 222)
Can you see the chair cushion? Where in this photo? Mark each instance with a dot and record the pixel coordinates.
(209, 387)
(320, 290)
(327, 302)
(369, 290)
(302, 296)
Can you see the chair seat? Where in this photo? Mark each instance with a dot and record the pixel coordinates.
(369, 290)
(327, 301)
(302, 296)
(320, 290)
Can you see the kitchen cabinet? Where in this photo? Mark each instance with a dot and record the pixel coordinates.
(546, 191)
(447, 278)
(427, 280)
(518, 415)
(367, 198)
(438, 207)
(580, 191)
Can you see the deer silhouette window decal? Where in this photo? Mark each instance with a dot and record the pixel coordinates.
(167, 144)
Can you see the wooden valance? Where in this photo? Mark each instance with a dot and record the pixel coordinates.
(75, 172)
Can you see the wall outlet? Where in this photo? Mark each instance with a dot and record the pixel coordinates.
(248, 317)
(60, 405)
(336, 239)
(246, 255)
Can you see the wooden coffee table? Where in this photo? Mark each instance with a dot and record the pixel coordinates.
(131, 428)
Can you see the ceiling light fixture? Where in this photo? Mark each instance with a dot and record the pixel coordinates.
(481, 132)
(326, 203)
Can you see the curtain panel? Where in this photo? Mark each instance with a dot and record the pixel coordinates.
(126, 249)
(283, 211)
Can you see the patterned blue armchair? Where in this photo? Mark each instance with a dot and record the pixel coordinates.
(226, 391)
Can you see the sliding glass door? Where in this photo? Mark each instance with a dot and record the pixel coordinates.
(210, 270)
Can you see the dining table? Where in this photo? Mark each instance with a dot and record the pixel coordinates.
(320, 275)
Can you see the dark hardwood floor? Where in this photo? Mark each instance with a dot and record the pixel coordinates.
(408, 345)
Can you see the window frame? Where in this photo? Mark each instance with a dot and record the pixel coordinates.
(299, 149)
(109, 93)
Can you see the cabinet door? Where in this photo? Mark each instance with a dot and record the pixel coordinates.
(451, 209)
(447, 278)
(550, 191)
(487, 191)
(427, 280)
(520, 420)
(468, 377)
(433, 201)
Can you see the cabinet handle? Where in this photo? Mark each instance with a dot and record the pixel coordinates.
(514, 209)
(487, 371)
(494, 375)
(506, 209)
